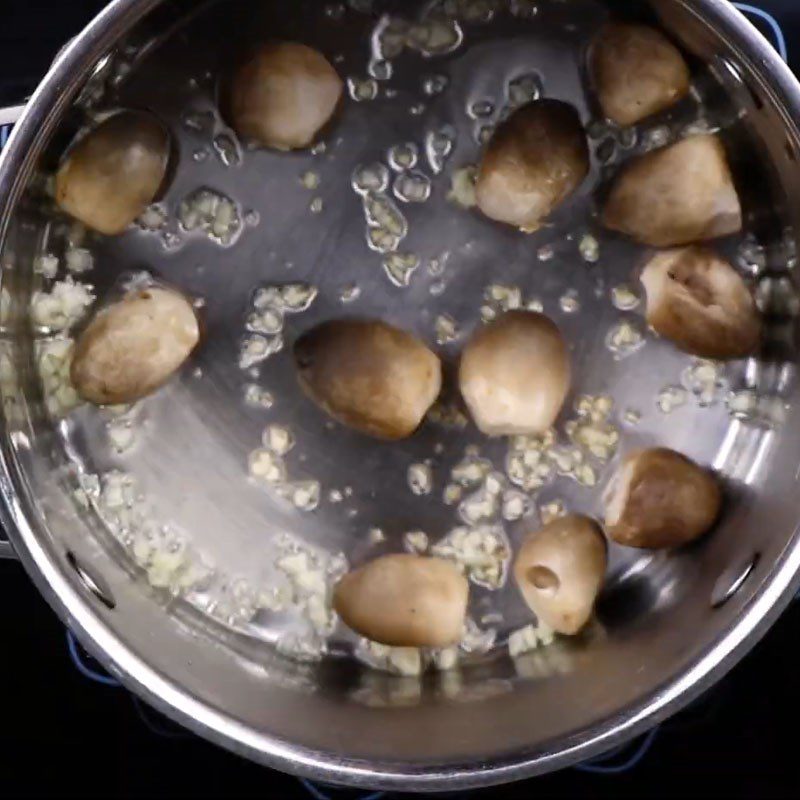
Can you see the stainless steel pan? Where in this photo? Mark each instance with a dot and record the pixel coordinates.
(210, 649)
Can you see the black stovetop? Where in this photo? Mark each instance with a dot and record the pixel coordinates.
(63, 735)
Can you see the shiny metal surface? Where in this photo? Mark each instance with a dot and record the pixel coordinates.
(11, 114)
(660, 641)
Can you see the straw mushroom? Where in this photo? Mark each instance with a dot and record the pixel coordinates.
(369, 375)
(114, 172)
(536, 159)
(675, 196)
(515, 374)
(404, 601)
(661, 499)
(698, 301)
(559, 571)
(283, 95)
(636, 72)
(134, 346)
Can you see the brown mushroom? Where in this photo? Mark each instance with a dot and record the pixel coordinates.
(515, 374)
(636, 72)
(661, 499)
(404, 601)
(559, 571)
(536, 159)
(114, 172)
(369, 375)
(134, 346)
(698, 301)
(676, 196)
(283, 95)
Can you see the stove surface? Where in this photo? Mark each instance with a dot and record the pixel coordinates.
(92, 739)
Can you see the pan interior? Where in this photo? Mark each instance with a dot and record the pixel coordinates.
(371, 223)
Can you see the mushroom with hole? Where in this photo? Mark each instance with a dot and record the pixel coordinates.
(559, 571)
(134, 346)
(515, 374)
(698, 301)
(678, 195)
(636, 72)
(536, 159)
(661, 499)
(369, 375)
(110, 176)
(283, 95)
(404, 601)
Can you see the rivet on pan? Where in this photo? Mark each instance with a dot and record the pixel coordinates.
(729, 583)
(94, 584)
